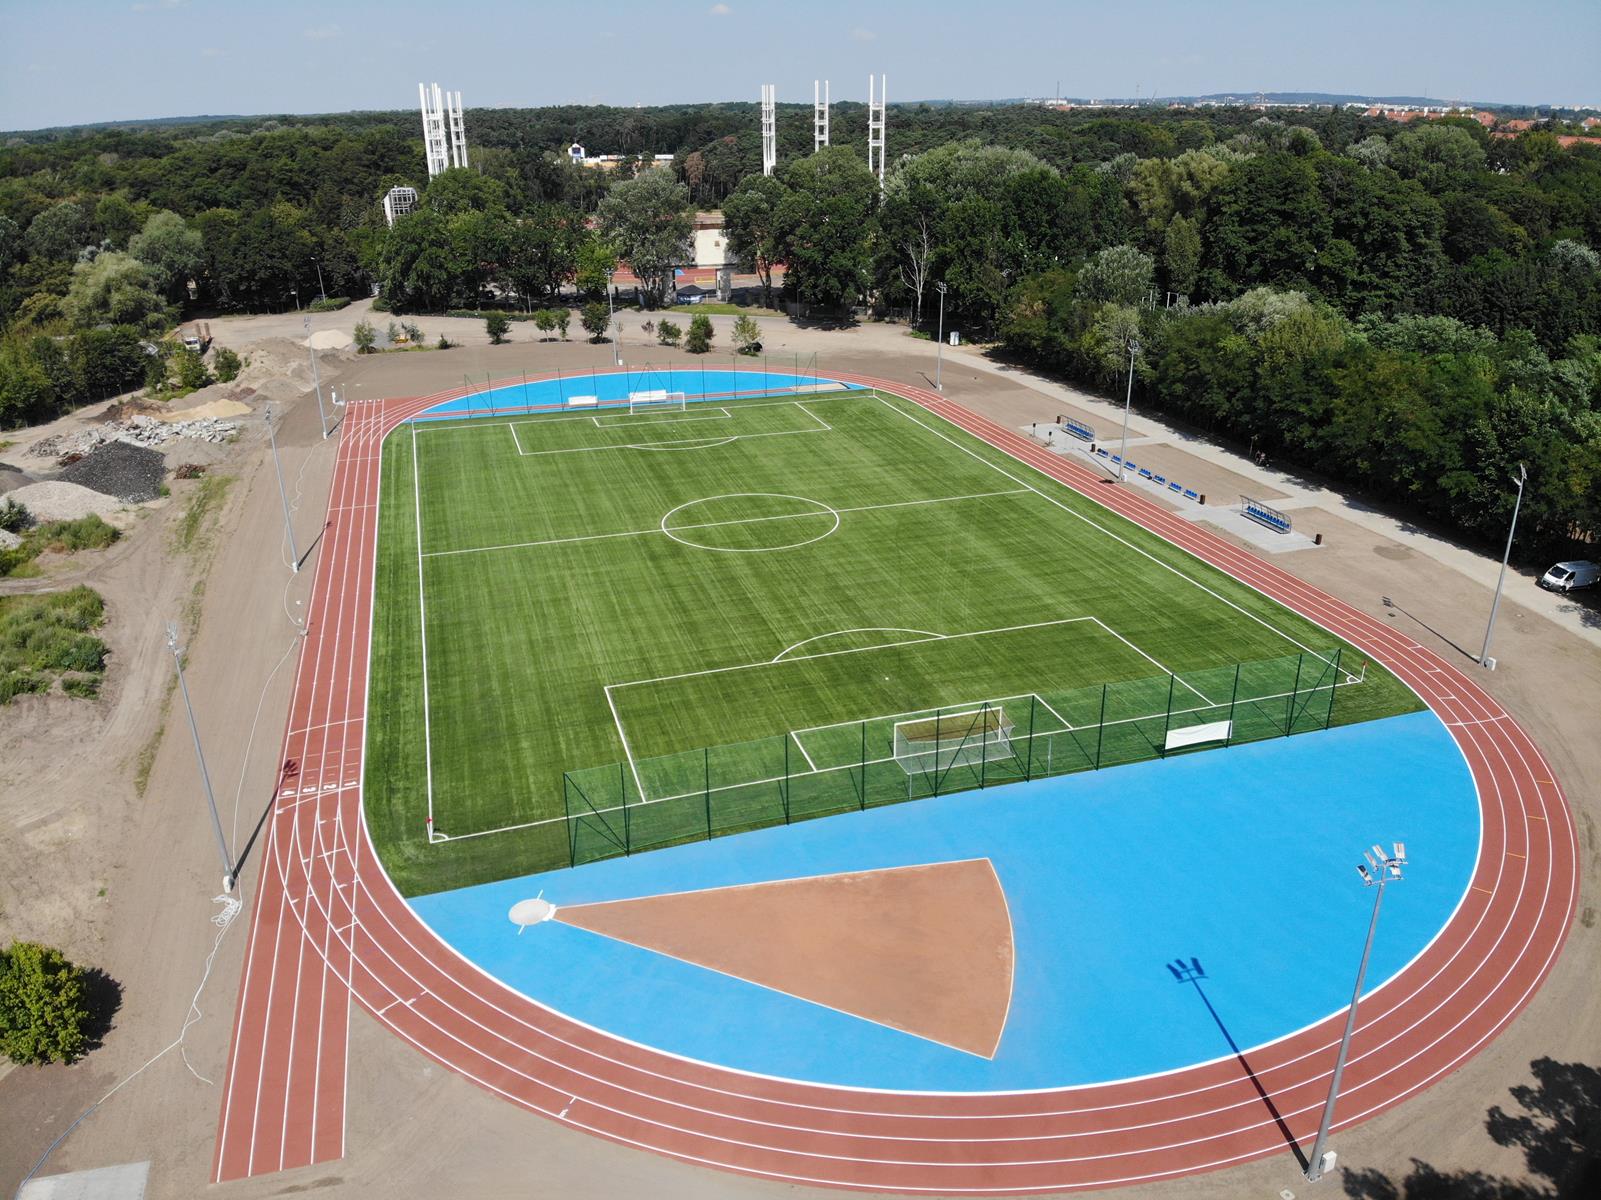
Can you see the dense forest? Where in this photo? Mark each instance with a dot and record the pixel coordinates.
(1413, 308)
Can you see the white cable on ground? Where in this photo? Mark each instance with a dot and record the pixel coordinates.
(223, 919)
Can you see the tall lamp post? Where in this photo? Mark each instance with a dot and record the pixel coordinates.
(1484, 653)
(1381, 869)
(939, 343)
(229, 870)
(611, 323)
(283, 493)
(1128, 400)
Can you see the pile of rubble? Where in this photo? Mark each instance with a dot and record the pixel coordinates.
(138, 431)
(121, 469)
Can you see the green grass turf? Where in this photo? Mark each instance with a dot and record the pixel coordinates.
(590, 576)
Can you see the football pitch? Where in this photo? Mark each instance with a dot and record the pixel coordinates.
(603, 629)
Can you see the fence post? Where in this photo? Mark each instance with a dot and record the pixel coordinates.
(1028, 763)
(567, 807)
(1233, 697)
(938, 714)
(706, 759)
(1100, 728)
(784, 794)
(864, 767)
(1167, 722)
(1295, 693)
(984, 746)
(1334, 688)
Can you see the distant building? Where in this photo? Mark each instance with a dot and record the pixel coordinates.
(398, 202)
(711, 240)
(609, 162)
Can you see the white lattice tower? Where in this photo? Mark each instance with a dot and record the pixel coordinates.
(458, 131)
(875, 125)
(769, 128)
(819, 114)
(435, 141)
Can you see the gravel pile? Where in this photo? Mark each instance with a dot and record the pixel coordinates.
(53, 500)
(137, 431)
(11, 478)
(128, 472)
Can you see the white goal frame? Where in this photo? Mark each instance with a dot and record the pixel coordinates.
(962, 746)
(639, 402)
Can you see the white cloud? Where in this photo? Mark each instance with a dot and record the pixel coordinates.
(211, 52)
(322, 33)
(719, 10)
(863, 35)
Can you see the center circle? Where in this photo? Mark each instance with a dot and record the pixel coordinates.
(750, 522)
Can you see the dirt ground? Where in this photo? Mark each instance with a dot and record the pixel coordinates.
(123, 879)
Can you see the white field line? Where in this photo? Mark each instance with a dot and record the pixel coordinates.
(801, 747)
(609, 408)
(627, 750)
(657, 529)
(923, 634)
(914, 713)
(856, 764)
(1160, 666)
(1109, 533)
(1067, 725)
(630, 419)
(822, 426)
(422, 612)
(514, 439)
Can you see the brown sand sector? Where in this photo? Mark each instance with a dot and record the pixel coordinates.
(925, 949)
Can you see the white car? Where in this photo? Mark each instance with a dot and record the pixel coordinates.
(1570, 576)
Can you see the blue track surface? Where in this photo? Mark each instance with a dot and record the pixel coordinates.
(1242, 858)
(610, 387)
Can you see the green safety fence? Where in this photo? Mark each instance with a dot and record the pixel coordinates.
(651, 803)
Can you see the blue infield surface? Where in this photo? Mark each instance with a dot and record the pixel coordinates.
(1242, 858)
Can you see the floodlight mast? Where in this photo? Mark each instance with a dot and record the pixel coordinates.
(819, 114)
(877, 91)
(769, 128)
(230, 872)
(1380, 869)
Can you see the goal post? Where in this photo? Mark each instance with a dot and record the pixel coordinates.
(934, 745)
(647, 401)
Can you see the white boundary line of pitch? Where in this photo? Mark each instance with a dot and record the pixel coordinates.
(422, 626)
(466, 423)
(821, 426)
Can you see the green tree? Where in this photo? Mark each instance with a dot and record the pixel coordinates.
(750, 217)
(699, 338)
(596, 260)
(1117, 275)
(364, 335)
(650, 221)
(563, 317)
(227, 364)
(545, 320)
(1181, 254)
(459, 190)
(541, 251)
(595, 317)
(668, 333)
(117, 220)
(171, 251)
(418, 266)
(58, 232)
(115, 288)
(826, 227)
(1436, 155)
(44, 1014)
(747, 334)
(496, 324)
(189, 369)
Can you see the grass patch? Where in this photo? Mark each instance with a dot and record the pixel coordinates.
(46, 638)
(714, 308)
(63, 537)
(204, 503)
(593, 601)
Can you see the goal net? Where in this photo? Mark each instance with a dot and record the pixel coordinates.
(936, 744)
(646, 401)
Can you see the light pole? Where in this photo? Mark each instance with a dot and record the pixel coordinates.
(1381, 869)
(322, 292)
(1128, 400)
(205, 777)
(939, 342)
(316, 378)
(1484, 654)
(283, 493)
(611, 321)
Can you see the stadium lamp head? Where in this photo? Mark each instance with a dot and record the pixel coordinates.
(1400, 852)
(1363, 871)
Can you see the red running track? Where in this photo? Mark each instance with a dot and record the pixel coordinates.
(328, 924)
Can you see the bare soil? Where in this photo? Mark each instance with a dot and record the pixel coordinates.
(123, 878)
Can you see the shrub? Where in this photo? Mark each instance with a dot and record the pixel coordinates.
(190, 370)
(595, 317)
(668, 333)
(328, 304)
(444, 343)
(14, 517)
(364, 335)
(380, 303)
(699, 338)
(747, 335)
(413, 334)
(44, 1014)
(545, 320)
(227, 365)
(563, 319)
(496, 325)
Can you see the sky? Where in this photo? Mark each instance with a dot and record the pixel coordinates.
(76, 61)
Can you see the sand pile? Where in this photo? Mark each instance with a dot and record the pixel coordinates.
(54, 500)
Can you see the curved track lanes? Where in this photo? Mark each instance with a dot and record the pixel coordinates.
(328, 925)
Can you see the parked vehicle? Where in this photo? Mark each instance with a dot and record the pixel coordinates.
(1571, 576)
